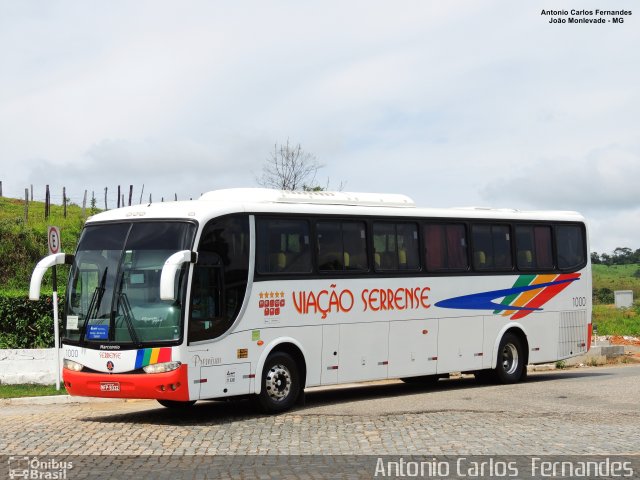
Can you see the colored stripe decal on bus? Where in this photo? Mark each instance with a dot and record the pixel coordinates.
(522, 281)
(524, 298)
(164, 355)
(154, 356)
(151, 356)
(521, 305)
(139, 358)
(548, 293)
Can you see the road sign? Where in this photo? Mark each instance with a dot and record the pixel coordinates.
(53, 240)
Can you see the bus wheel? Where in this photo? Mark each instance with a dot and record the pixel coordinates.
(510, 359)
(280, 383)
(176, 404)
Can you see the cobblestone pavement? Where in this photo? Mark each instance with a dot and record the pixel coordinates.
(568, 412)
(582, 411)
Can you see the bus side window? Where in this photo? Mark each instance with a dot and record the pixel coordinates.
(341, 246)
(217, 292)
(570, 246)
(282, 246)
(533, 246)
(395, 246)
(446, 247)
(491, 247)
(205, 303)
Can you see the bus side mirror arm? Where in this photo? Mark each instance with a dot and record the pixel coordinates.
(169, 270)
(41, 268)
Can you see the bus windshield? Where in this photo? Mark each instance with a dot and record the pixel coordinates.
(114, 284)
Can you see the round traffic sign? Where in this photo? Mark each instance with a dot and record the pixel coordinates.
(53, 240)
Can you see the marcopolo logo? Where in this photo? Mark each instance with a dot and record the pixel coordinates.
(38, 468)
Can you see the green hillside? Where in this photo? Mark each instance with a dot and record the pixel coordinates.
(617, 277)
(23, 323)
(608, 319)
(23, 244)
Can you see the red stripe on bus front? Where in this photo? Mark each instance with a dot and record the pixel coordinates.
(164, 355)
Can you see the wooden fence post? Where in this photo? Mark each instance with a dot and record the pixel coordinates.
(130, 193)
(26, 205)
(47, 203)
(64, 200)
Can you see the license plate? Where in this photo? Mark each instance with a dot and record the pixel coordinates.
(109, 387)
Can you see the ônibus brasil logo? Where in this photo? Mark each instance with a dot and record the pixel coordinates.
(528, 294)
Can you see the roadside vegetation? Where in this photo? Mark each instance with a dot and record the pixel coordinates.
(24, 243)
(29, 390)
(608, 319)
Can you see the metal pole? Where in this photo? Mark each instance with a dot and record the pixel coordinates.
(56, 327)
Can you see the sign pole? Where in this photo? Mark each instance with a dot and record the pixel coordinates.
(56, 327)
(53, 241)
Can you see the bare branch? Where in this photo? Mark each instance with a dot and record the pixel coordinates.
(289, 168)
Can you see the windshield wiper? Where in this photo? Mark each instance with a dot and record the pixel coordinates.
(96, 299)
(128, 317)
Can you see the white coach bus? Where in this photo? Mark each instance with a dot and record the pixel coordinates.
(263, 293)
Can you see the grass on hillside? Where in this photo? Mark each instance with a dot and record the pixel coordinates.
(617, 277)
(23, 244)
(29, 390)
(610, 320)
(12, 216)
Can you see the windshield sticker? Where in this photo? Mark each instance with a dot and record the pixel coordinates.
(98, 332)
(72, 322)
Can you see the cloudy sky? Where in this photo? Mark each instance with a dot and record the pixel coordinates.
(454, 103)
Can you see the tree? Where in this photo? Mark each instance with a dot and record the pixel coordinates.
(289, 167)
(622, 255)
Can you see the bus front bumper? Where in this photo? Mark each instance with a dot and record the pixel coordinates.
(160, 386)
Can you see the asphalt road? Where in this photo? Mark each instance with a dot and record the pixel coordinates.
(590, 411)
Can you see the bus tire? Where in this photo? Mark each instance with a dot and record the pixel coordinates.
(280, 383)
(176, 404)
(511, 359)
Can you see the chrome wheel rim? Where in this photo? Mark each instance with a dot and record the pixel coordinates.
(278, 382)
(509, 358)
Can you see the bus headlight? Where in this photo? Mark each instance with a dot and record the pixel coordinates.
(71, 365)
(162, 367)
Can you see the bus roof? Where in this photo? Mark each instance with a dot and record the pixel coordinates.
(262, 200)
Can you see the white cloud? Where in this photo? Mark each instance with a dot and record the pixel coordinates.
(454, 103)
(604, 179)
